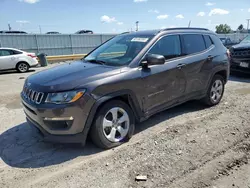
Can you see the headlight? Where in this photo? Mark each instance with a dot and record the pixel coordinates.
(64, 97)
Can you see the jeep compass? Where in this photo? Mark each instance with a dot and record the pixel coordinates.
(125, 80)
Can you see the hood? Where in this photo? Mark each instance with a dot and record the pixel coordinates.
(241, 46)
(69, 76)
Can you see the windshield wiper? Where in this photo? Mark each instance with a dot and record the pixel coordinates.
(96, 61)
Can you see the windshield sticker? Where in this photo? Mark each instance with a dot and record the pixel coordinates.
(139, 40)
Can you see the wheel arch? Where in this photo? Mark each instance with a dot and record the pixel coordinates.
(126, 96)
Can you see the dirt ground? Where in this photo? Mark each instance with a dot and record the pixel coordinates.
(188, 146)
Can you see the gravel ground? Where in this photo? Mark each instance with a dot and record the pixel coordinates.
(184, 147)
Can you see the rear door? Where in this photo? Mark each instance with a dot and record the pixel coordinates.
(7, 61)
(197, 63)
(164, 83)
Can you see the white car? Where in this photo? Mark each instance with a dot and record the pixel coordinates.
(11, 58)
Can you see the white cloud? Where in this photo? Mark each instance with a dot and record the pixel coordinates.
(107, 19)
(23, 21)
(29, 1)
(162, 17)
(218, 11)
(139, 1)
(180, 16)
(154, 11)
(201, 14)
(119, 23)
(209, 4)
(249, 10)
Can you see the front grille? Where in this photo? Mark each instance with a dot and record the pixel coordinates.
(238, 53)
(32, 95)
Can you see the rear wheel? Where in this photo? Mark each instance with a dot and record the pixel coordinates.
(22, 67)
(215, 91)
(113, 125)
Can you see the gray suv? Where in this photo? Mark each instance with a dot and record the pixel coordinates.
(125, 80)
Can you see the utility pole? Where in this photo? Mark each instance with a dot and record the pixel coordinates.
(40, 29)
(248, 25)
(9, 27)
(137, 25)
(189, 23)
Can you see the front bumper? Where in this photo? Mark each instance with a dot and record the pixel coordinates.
(235, 65)
(59, 123)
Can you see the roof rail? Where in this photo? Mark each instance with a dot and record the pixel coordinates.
(124, 33)
(185, 28)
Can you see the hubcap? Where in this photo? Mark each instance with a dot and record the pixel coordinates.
(216, 91)
(116, 124)
(23, 67)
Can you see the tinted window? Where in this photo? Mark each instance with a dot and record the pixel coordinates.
(168, 46)
(14, 52)
(208, 41)
(193, 43)
(5, 52)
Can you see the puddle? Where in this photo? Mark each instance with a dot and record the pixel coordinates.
(243, 91)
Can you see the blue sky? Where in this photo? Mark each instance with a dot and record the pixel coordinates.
(112, 16)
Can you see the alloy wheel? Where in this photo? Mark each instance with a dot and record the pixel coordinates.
(116, 124)
(216, 91)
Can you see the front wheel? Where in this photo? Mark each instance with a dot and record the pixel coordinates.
(215, 91)
(114, 124)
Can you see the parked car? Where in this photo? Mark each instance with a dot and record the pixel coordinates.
(107, 92)
(240, 56)
(53, 33)
(13, 32)
(84, 32)
(227, 42)
(11, 58)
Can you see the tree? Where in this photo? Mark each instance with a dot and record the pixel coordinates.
(223, 29)
(241, 27)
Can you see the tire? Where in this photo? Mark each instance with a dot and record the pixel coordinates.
(106, 131)
(215, 91)
(22, 67)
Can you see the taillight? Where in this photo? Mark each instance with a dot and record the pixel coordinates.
(31, 55)
(229, 54)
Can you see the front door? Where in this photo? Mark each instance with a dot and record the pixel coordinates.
(163, 84)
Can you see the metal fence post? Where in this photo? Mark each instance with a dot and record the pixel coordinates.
(101, 39)
(37, 46)
(71, 44)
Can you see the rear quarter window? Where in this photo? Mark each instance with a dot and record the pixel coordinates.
(16, 52)
(208, 41)
(193, 43)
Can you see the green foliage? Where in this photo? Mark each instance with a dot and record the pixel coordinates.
(223, 29)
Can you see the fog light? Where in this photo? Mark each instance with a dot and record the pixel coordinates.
(59, 123)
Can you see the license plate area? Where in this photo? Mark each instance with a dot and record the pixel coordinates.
(244, 64)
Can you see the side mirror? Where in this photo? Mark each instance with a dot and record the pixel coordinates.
(153, 59)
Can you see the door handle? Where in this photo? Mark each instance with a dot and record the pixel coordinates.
(209, 58)
(180, 66)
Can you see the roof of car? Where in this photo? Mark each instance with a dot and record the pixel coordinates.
(169, 30)
(3, 48)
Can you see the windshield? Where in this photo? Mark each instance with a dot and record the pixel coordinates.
(120, 50)
(246, 40)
